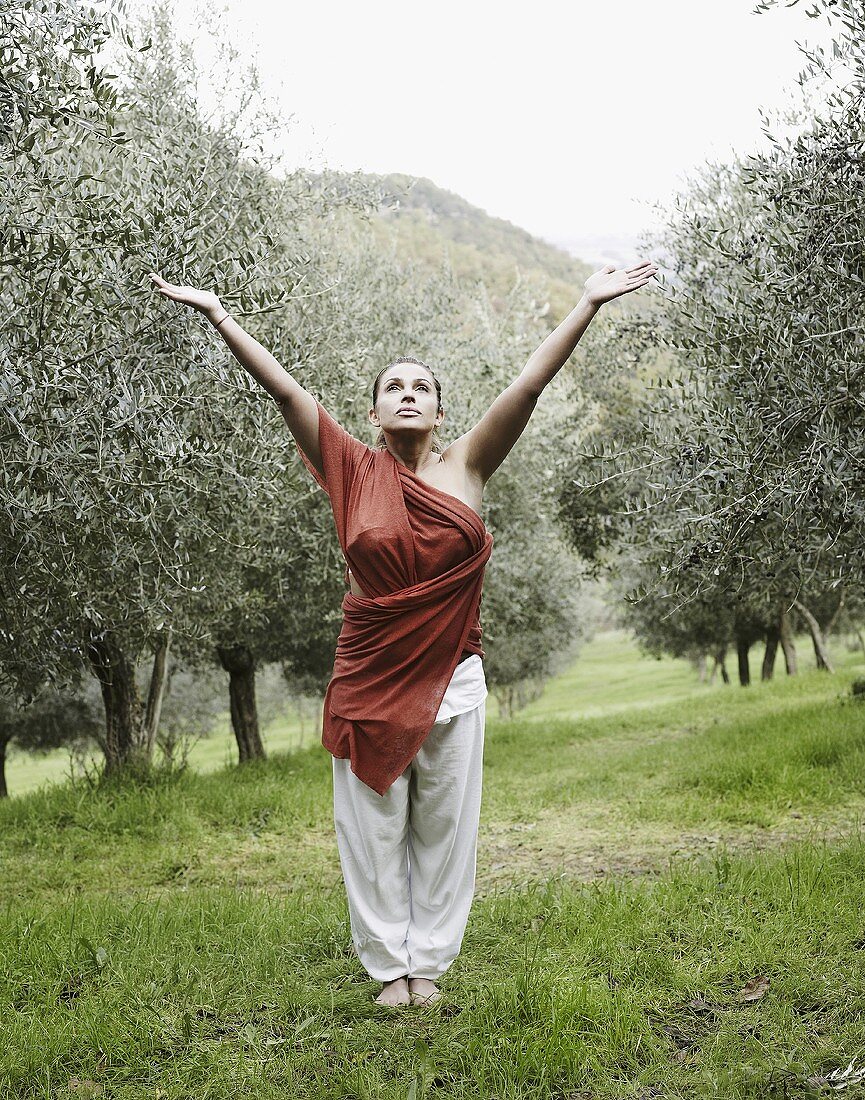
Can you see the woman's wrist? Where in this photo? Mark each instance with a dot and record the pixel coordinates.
(217, 316)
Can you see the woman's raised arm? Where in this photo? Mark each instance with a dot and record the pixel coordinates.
(485, 446)
(298, 407)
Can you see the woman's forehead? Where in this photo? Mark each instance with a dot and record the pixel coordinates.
(406, 372)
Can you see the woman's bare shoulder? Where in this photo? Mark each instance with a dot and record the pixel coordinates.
(455, 477)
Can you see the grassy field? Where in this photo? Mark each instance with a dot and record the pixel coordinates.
(670, 886)
(611, 674)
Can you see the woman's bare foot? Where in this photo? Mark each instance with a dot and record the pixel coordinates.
(394, 993)
(423, 992)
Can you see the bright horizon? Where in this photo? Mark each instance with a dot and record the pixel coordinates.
(569, 124)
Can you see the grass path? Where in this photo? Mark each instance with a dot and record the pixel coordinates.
(669, 906)
(610, 675)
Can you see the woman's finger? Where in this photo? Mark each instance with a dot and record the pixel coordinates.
(170, 287)
(161, 283)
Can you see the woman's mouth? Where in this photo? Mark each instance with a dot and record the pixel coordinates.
(410, 412)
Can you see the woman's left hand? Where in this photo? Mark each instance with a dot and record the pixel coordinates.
(611, 282)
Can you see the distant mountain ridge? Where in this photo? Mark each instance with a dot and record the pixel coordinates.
(460, 221)
(431, 224)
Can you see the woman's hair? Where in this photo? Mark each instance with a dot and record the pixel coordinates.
(380, 442)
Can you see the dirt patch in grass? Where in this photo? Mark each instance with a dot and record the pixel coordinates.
(272, 861)
(591, 844)
(599, 844)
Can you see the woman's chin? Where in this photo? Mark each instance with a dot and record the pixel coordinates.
(412, 423)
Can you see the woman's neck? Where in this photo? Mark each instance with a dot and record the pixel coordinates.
(414, 458)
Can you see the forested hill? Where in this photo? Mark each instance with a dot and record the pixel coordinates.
(421, 201)
(431, 223)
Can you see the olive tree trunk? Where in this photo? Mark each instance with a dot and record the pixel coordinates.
(820, 651)
(4, 790)
(720, 665)
(123, 739)
(773, 635)
(788, 646)
(156, 692)
(742, 648)
(239, 663)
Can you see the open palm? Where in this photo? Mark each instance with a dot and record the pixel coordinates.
(202, 300)
(611, 281)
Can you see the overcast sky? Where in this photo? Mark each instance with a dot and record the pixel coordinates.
(566, 118)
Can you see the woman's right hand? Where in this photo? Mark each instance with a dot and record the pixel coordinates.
(205, 302)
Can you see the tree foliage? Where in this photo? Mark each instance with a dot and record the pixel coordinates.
(154, 495)
(736, 470)
(145, 476)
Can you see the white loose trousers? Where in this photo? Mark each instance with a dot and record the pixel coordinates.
(409, 857)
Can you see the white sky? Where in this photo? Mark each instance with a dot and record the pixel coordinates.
(567, 118)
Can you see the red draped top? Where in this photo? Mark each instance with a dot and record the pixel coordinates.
(419, 555)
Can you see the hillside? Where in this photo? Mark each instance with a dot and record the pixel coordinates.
(431, 224)
(419, 200)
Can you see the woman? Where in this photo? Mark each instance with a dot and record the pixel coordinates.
(404, 710)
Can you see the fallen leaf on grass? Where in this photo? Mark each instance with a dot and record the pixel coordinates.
(678, 1036)
(839, 1078)
(754, 990)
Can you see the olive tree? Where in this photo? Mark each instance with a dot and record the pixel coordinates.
(68, 719)
(145, 469)
(737, 472)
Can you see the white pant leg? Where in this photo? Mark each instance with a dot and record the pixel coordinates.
(444, 811)
(372, 831)
(371, 835)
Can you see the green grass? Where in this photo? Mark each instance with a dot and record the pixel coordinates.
(26, 772)
(611, 674)
(637, 868)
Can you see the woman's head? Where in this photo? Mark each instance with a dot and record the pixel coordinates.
(405, 392)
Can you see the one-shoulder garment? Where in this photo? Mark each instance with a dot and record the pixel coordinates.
(419, 553)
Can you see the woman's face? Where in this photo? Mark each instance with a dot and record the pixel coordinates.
(406, 400)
